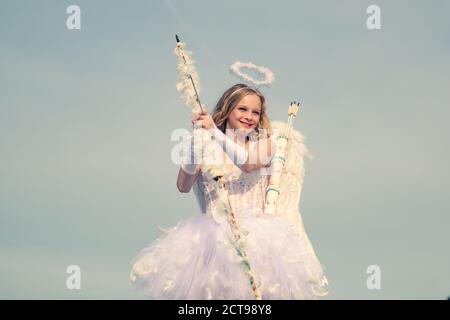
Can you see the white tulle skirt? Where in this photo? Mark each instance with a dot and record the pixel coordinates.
(196, 260)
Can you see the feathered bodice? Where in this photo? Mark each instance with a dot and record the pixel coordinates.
(245, 191)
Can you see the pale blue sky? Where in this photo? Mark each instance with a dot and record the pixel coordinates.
(86, 118)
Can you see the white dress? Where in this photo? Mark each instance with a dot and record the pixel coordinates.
(197, 260)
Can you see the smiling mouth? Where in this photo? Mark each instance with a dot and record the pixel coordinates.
(246, 124)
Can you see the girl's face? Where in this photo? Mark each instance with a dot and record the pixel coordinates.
(246, 113)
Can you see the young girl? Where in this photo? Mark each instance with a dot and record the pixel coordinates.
(197, 259)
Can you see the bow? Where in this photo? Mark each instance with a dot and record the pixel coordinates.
(187, 85)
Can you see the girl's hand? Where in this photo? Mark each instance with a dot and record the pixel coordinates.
(204, 120)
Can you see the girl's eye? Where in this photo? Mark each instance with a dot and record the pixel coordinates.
(243, 109)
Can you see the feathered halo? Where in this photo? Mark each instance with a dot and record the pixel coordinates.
(269, 77)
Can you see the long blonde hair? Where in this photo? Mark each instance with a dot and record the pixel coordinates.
(228, 102)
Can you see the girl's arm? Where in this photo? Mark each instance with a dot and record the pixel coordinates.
(189, 169)
(185, 180)
(259, 155)
(253, 156)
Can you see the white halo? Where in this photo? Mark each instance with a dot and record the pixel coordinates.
(269, 77)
